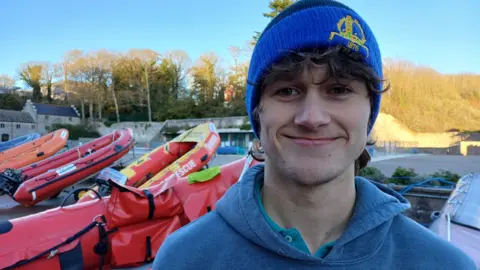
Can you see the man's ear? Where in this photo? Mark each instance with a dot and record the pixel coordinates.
(362, 161)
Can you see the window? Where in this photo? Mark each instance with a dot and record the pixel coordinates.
(5, 137)
(2, 125)
(18, 125)
(33, 126)
(46, 117)
(70, 119)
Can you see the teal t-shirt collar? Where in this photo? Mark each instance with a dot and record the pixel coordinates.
(292, 235)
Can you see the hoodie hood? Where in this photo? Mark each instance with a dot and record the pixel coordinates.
(375, 208)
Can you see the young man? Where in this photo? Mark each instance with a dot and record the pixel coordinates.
(315, 83)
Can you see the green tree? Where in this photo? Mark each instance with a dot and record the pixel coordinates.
(275, 6)
(278, 6)
(31, 74)
(11, 102)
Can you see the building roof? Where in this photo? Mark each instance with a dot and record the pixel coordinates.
(15, 116)
(49, 109)
(473, 137)
(6, 90)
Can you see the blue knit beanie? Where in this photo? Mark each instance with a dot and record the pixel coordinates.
(311, 24)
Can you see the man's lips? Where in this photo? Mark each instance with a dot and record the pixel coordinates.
(311, 141)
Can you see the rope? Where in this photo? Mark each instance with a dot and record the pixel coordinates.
(54, 250)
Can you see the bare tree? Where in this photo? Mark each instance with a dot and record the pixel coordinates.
(146, 60)
(178, 64)
(66, 68)
(7, 82)
(205, 76)
(110, 74)
(48, 71)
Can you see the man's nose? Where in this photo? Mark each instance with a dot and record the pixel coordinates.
(312, 112)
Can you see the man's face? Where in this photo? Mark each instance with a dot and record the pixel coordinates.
(312, 133)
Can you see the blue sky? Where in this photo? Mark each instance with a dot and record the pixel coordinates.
(442, 34)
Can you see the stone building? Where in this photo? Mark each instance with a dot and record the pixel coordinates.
(15, 124)
(47, 114)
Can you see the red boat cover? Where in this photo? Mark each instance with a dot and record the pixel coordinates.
(128, 205)
(141, 241)
(199, 198)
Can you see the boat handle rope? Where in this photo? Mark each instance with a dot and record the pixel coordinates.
(54, 250)
(101, 248)
(78, 190)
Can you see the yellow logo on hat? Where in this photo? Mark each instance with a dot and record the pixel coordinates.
(351, 30)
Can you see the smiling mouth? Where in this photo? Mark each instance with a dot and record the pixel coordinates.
(311, 141)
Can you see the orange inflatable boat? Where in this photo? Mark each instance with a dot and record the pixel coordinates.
(45, 179)
(195, 147)
(33, 151)
(125, 229)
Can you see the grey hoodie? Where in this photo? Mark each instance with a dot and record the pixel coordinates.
(237, 236)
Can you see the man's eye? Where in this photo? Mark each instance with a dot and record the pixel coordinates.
(287, 92)
(340, 90)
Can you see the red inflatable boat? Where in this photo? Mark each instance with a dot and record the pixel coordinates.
(143, 169)
(33, 151)
(47, 178)
(123, 230)
(197, 146)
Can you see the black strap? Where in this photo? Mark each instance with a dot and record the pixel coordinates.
(151, 204)
(101, 248)
(66, 242)
(148, 244)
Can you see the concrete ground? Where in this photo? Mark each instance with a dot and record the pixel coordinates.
(427, 164)
(421, 163)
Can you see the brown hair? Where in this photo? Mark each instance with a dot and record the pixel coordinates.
(342, 64)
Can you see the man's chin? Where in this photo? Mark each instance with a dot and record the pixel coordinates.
(307, 160)
(310, 177)
(310, 174)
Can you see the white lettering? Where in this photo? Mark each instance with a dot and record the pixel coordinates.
(66, 169)
(183, 170)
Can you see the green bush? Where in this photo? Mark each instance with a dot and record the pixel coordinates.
(76, 131)
(407, 176)
(402, 176)
(447, 175)
(246, 126)
(373, 174)
(404, 172)
(108, 123)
